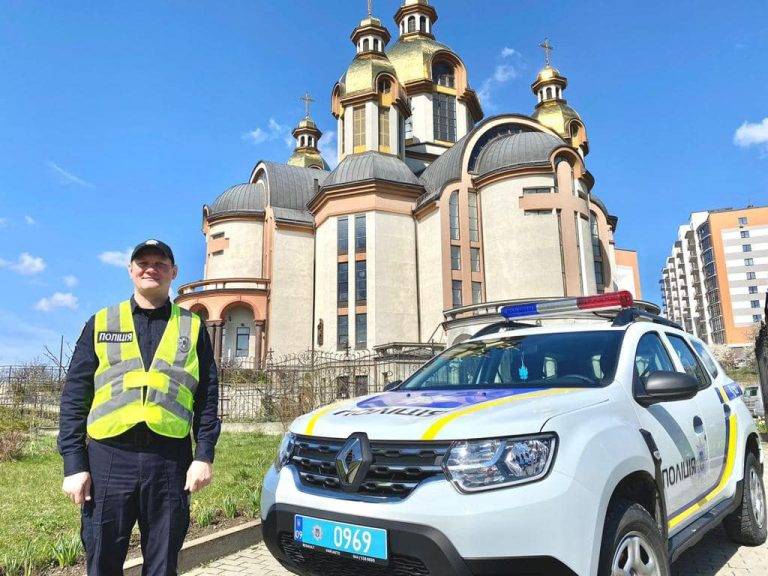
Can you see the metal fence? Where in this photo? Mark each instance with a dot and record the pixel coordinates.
(286, 387)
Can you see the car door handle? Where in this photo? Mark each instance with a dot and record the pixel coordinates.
(698, 425)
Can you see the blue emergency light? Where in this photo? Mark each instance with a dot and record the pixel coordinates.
(600, 302)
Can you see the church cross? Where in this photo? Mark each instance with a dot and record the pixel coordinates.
(370, 8)
(307, 99)
(547, 51)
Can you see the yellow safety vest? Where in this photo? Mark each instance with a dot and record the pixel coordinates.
(125, 393)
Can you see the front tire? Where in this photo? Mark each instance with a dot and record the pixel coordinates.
(747, 524)
(632, 543)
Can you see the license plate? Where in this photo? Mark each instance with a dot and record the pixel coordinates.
(342, 539)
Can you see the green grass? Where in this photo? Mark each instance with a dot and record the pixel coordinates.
(39, 526)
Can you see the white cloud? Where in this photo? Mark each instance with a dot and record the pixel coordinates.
(116, 258)
(327, 147)
(29, 220)
(3, 222)
(26, 264)
(273, 131)
(256, 136)
(503, 72)
(70, 281)
(752, 134)
(65, 177)
(58, 300)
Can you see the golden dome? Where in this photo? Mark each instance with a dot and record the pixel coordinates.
(307, 158)
(557, 115)
(363, 71)
(412, 57)
(548, 73)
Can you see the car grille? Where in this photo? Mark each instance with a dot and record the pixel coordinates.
(397, 469)
(324, 564)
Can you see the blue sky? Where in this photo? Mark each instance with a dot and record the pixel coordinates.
(119, 120)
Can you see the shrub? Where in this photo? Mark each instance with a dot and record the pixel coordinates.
(254, 502)
(204, 516)
(12, 445)
(67, 550)
(230, 507)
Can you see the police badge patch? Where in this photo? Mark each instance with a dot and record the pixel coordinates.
(183, 344)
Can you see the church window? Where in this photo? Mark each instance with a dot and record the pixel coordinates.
(477, 292)
(385, 86)
(444, 117)
(358, 125)
(341, 134)
(360, 233)
(455, 258)
(366, 45)
(342, 337)
(597, 255)
(383, 129)
(342, 283)
(412, 24)
(474, 254)
(376, 44)
(456, 293)
(453, 205)
(361, 276)
(423, 24)
(241, 342)
(474, 221)
(443, 74)
(342, 230)
(217, 236)
(549, 92)
(408, 128)
(361, 332)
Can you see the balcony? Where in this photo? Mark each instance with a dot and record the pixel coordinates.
(221, 284)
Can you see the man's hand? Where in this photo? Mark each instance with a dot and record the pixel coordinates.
(199, 476)
(78, 487)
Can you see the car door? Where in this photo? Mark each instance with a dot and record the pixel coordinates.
(670, 423)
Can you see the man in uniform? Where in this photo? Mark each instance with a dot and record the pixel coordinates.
(141, 378)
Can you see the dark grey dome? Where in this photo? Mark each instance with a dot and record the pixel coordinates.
(516, 150)
(240, 199)
(371, 166)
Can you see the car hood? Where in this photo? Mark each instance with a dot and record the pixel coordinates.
(446, 415)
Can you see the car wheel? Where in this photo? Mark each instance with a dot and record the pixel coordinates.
(632, 543)
(747, 524)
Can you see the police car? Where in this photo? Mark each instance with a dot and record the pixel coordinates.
(601, 448)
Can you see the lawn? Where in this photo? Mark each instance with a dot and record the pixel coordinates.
(38, 523)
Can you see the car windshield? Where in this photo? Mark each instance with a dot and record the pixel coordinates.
(566, 359)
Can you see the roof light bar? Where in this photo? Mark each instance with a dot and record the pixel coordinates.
(610, 301)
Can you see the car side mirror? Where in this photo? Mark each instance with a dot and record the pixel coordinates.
(392, 385)
(665, 386)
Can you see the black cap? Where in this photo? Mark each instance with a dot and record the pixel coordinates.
(157, 245)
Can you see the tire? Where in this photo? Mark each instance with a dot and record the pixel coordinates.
(748, 524)
(629, 528)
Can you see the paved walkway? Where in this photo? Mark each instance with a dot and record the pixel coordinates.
(713, 556)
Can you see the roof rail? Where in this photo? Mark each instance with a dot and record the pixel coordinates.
(629, 315)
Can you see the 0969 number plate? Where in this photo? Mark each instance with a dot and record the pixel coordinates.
(342, 539)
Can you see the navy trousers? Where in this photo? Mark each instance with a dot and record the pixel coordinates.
(137, 477)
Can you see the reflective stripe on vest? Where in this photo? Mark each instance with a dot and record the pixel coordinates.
(125, 393)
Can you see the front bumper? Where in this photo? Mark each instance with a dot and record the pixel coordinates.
(543, 528)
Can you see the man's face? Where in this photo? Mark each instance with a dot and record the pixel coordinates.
(152, 272)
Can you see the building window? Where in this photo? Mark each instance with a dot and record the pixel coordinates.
(474, 254)
(383, 129)
(477, 292)
(453, 206)
(217, 235)
(743, 221)
(342, 337)
(757, 318)
(751, 276)
(342, 283)
(341, 133)
(444, 116)
(597, 254)
(749, 261)
(745, 233)
(753, 289)
(456, 290)
(443, 74)
(360, 233)
(342, 234)
(217, 253)
(385, 86)
(537, 190)
(412, 24)
(746, 248)
(455, 258)
(408, 128)
(474, 220)
(754, 303)
(361, 281)
(361, 330)
(358, 127)
(241, 341)
(366, 45)
(423, 24)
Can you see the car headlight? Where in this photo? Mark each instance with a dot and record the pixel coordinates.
(285, 451)
(477, 465)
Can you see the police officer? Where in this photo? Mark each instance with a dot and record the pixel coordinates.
(141, 377)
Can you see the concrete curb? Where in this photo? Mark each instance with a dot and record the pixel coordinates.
(208, 548)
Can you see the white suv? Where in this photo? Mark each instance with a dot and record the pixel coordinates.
(596, 448)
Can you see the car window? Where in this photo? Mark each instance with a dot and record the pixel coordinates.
(706, 357)
(651, 356)
(690, 363)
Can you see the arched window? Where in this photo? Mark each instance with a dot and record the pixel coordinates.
(597, 253)
(444, 74)
(549, 92)
(384, 86)
(412, 24)
(366, 45)
(376, 44)
(423, 24)
(453, 213)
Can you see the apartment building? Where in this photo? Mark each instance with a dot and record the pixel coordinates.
(715, 279)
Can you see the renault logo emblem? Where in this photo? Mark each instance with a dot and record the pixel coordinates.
(353, 461)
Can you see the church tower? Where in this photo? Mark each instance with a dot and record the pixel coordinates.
(552, 109)
(306, 154)
(368, 101)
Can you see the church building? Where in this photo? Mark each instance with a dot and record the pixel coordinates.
(433, 216)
